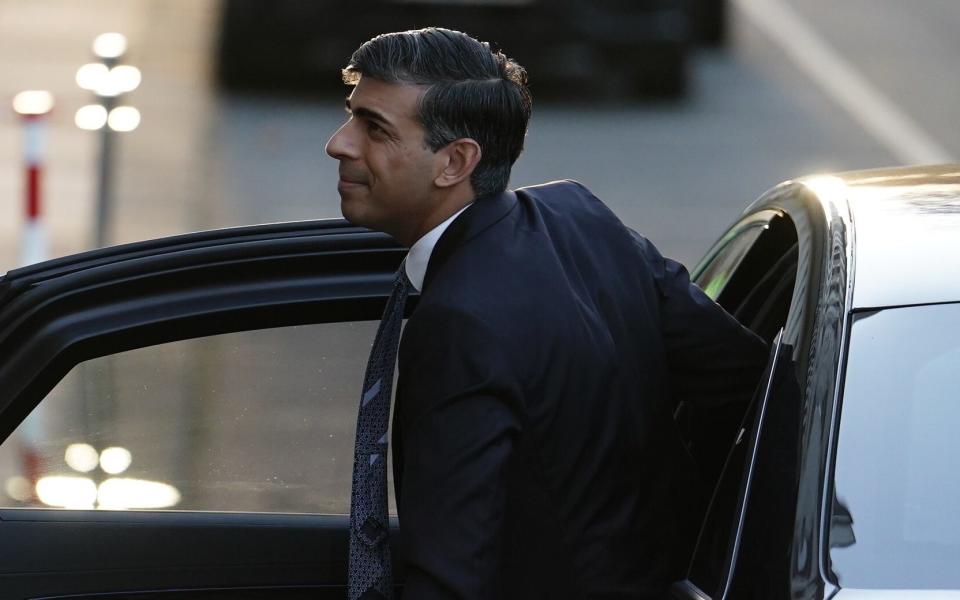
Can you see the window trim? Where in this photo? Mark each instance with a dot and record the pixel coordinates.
(271, 277)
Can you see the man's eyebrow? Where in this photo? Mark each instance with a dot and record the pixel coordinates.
(367, 113)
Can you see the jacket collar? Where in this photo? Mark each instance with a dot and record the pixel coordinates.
(478, 217)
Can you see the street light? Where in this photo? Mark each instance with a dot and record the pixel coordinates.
(110, 45)
(108, 80)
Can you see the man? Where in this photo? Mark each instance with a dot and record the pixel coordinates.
(535, 451)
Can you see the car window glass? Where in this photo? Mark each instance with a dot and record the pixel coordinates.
(715, 556)
(713, 276)
(259, 421)
(770, 258)
(895, 522)
(759, 294)
(765, 307)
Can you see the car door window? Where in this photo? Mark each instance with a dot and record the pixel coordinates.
(253, 421)
(715, 559)
(714, 272)
(752, 271)
(205, 378)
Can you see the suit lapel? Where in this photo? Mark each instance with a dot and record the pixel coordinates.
(478, 217)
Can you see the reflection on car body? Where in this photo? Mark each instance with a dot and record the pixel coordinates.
(222, 365)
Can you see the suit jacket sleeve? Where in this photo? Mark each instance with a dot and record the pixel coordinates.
(457, 425)
(712, 359)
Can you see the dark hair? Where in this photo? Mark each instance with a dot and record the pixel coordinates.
(473, 92)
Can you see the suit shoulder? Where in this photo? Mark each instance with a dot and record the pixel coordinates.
(568, 199)
(561, 187)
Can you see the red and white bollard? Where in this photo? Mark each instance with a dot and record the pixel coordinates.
(33, 107)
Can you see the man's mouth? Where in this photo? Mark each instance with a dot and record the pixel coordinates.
(344, 186)
(350, 180)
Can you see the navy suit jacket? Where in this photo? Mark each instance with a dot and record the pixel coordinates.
(535, 450)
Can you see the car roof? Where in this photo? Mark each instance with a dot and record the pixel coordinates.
(904, 224)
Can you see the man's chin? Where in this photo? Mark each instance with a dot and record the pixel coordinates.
(352, 210)
(346, 211)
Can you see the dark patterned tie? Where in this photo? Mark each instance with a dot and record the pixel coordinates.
(370, 576)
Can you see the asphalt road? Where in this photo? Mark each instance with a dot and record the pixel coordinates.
(678, 173)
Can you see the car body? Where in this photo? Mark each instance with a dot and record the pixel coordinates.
(295, 46)
(216, 374)
(856, 273)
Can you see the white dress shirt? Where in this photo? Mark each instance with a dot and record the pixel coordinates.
(419, 256)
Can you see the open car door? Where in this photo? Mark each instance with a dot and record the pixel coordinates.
(718, 570)
(177, 416)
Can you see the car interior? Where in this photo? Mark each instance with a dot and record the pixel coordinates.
(759, 293)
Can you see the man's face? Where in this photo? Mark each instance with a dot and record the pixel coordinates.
(386, 169)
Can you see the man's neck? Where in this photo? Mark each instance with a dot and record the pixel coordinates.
(446, 208)
(419, 256)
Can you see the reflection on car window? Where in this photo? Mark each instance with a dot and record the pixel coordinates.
(895, 522)
(713, 278)
(259, 421)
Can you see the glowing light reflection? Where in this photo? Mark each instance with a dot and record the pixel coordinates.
(830, 190)
(115, 460)
(81, 457)
(91, 76)
(67, 492)
(121, 494)
(82, 493)
(126, 78)
(18, 488)
(33, 102)
(124, 118)
(91, 117)
(110, 45)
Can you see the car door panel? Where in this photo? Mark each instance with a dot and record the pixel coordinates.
(58, 314)
(89, 552)
(93, 552)
(715, 560)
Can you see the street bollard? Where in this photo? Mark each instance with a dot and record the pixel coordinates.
(33, 106)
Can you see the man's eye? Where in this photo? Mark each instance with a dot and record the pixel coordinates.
(373, 127)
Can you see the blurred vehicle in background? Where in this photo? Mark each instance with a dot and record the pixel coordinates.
(615, 47)
(710, 22)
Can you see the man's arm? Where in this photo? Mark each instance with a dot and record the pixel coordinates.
(458, 431)
(714, 364)
(712, 359)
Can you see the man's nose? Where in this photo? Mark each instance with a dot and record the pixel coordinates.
(340, 146)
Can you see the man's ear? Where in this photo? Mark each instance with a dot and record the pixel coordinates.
(460, 159)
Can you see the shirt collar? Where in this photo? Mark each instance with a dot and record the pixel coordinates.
(419, 256)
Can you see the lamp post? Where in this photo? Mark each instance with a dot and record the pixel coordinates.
(108, 80)
(33, 106)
